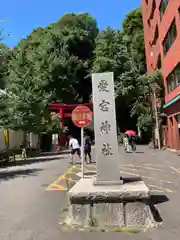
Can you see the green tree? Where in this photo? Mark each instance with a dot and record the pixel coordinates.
(111, 55)
(134, 37)
(51, 64)
(147, 84)
(66, 50)
(26, 98)
(124, 54)
(141, 107)
(4, 59)
(80, 31)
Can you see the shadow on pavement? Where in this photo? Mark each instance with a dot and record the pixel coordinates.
(153, 201)
(131, 179)
(7, 175)
(157, 199)
(35, 160)
(66, 151)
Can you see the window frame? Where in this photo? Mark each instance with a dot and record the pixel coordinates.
(170, 37)
(152, 11)
(179, 12)
(156, 35)
(162, 11)
(173, 79)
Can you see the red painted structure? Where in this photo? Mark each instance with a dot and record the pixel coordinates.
(65, 110)
(161, 20)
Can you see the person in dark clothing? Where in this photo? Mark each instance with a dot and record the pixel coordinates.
(87, 147)
(132, 142)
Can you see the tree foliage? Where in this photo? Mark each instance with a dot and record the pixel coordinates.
(51, 64)
(147, 84)
(142, 103)
(134, 36)
(111, 55)
(54, 64)
(4, 59)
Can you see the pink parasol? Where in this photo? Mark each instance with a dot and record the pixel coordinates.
(130, 132)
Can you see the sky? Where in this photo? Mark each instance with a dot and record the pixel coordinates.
(22, 16)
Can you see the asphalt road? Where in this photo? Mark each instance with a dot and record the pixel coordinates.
(33, 197)
(27, 210)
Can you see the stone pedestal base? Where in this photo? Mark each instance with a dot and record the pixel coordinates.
(109, 206)
(84, 191)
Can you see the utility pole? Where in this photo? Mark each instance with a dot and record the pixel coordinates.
(157, 135)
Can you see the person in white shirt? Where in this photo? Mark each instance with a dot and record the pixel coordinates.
(74, 146)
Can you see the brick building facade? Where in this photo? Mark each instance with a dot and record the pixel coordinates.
(161, 19)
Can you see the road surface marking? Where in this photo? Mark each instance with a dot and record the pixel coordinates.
(55, 183)
(148, 178)
(145, 177)
(166, 181)
(56, 188)
(152, 165)
(137, 175)
(88, 166)
(175, 169)
(132, 174)
(150, 168)
(161, 188)
(130, 169)
(127, 165)
(156, 190)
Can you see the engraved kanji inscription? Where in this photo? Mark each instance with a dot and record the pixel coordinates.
(106, 150)
(105, 127)
(104, 106)
(103, 86)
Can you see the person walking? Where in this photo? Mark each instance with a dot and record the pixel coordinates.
(132, 142)
(131, 137)
(75, 147)
(126, 142)
(87, 147)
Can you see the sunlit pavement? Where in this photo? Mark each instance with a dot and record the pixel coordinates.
(33, 197)
(160, 175)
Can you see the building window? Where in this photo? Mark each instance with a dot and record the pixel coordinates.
(178, 120)
(156, 35)
(152, 10)
(163, 7)
(173, 80)
(159, 62)
(170, 37)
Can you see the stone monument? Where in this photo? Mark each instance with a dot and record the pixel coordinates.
(103, 201)
(106, 144)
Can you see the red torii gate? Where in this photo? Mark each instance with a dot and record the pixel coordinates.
(65, 110)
